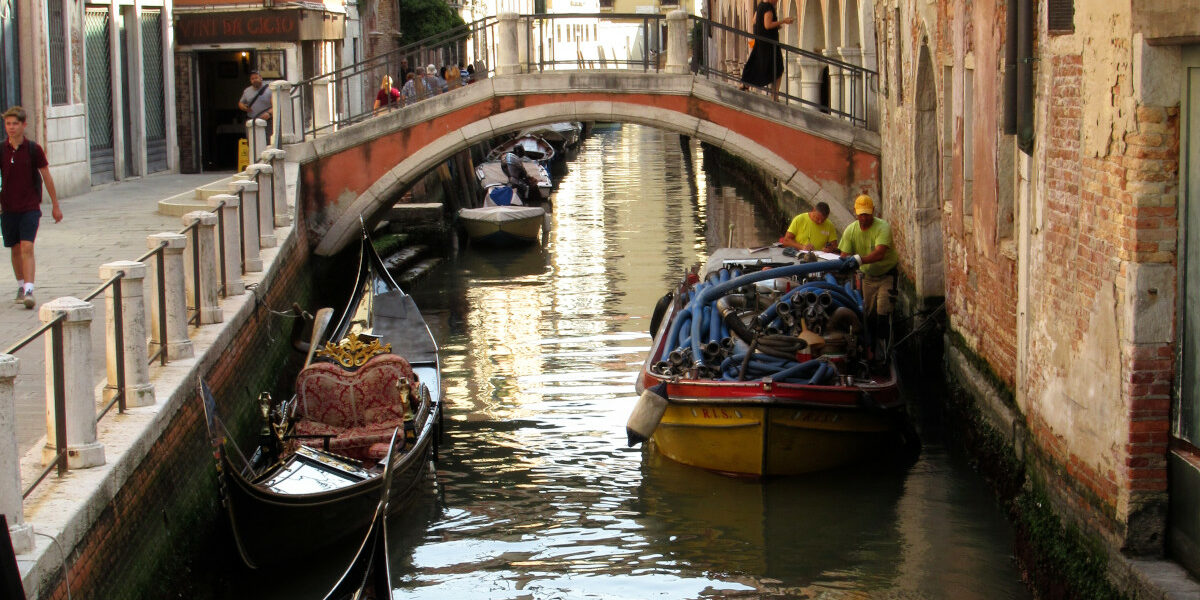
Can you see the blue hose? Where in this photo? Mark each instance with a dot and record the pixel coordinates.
(712, 293)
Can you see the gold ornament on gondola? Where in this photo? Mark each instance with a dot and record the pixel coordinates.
(353, 352)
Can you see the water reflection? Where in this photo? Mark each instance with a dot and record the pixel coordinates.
(541, 499)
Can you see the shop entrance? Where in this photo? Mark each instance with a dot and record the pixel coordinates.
(221, 77)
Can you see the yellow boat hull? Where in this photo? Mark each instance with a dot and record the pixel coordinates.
(770, 440)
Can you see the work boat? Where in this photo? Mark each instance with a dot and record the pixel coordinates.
(761, 365)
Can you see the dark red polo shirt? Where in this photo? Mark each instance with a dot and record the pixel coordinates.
(21, 191)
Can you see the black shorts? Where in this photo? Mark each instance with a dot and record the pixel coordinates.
(19, 227)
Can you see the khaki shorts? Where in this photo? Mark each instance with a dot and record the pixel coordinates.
(876, 299)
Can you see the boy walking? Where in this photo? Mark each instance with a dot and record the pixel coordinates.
(23, 168)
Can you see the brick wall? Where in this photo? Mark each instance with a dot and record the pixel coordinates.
(1094, 389)
(164, 527)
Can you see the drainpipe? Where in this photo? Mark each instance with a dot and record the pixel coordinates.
(1010, 69)
(1025, 75)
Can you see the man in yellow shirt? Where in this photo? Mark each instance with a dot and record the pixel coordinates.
(869, 241)
(811, 231)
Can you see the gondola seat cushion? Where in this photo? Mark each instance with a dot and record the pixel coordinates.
(359, 408)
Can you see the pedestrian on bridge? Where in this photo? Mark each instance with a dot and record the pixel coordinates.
(256, 101)
(765, 64)
(387, 94)
(23, 169)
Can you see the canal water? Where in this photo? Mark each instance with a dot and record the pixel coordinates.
(538, 495)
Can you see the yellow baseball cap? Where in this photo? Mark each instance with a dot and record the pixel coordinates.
(863, 205)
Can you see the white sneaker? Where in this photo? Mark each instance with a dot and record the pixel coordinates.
(29, 300)
(20, 296)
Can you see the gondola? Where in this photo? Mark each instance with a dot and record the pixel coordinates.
(369, 576)
(316, 474)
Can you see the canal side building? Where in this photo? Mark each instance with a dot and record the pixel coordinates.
(1041, 166)
(94, 80)
(218, 43)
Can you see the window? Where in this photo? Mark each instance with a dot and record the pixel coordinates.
(968, 153)
(58, 52)
(1060, 16)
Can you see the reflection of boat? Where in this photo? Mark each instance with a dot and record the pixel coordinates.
(316, 475)
(501, 264)
(560, 135)
(490, 175)
(733, 525)
(536, 149)
(502, 222)
(369, 577)
(766, 373)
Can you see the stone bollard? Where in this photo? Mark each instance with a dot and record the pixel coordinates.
(176, 334)
(507, 56)
(11, 503)
(281, 108)
(83, 450)
(228, 239)
(138, 389)
(853, 85)
(256, 132)
(264, 175)
(323, 106)
(275, 158)
(247, 228)
(200, 263)
(677, 47)
(810, 79)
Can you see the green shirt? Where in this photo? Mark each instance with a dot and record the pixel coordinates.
(862, 243)
(808, 232)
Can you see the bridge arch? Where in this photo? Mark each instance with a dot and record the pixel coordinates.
(364, 168)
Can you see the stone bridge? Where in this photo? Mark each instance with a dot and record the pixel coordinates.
(360, 169)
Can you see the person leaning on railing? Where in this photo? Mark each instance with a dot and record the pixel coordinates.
(387, 94)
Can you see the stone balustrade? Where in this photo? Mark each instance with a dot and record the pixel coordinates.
(181, 269)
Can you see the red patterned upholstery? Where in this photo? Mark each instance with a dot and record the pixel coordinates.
(359, 408)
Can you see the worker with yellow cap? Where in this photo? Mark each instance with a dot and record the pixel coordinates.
(869, 240)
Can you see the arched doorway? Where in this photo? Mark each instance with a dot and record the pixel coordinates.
(930, 267)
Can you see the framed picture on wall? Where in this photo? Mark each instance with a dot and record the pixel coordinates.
(270, 64)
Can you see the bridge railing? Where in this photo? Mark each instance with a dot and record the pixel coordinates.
(512, 44)
(828, 84)
(347, 95)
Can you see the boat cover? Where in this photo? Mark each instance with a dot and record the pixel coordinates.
(399, 321)
(501, 195)
(501, 214)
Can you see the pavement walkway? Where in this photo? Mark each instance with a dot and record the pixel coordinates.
(101, 226)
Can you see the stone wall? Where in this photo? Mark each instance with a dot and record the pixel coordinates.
(166, 520)
(1071, 302)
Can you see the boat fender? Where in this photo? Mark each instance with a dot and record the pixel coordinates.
(646, 414)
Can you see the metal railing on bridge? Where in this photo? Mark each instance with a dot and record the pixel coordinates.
(574, 41)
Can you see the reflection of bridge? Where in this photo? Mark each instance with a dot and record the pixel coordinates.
(352, 166)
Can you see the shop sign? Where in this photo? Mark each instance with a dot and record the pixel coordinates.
(253, 26)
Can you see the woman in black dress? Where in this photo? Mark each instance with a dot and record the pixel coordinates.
(766, 60)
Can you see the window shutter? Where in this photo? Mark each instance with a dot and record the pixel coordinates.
(1060, 16)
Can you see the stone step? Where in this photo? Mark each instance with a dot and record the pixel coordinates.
(419, 270)
(197, 199)
(417, 216)
(404, 257)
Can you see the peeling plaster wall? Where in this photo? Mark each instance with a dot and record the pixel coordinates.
(1097, 240)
